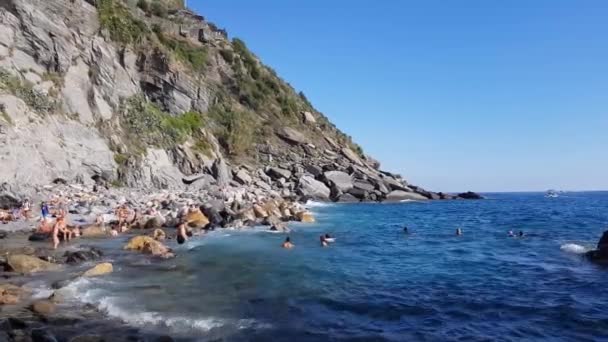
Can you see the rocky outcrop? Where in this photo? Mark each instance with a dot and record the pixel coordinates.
(88, 105)
(399, 195)
(469, 195)
(21, 263)
(600, 255)
(311, 188)
(148, 245)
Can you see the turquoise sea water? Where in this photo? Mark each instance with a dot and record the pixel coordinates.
(376, 283)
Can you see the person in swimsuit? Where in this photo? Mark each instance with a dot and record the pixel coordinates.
(287, 244)
(182, 234)
(123, 215)
(458, 232)
(25, 209)
(323, 241)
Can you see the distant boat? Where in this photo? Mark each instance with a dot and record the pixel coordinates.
(551, 194)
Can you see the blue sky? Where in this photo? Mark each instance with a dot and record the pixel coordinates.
(454, 95)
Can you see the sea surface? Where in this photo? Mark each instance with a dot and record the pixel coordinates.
(375, 283)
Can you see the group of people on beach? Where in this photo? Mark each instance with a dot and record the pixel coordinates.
(325, 240)
(24, 211)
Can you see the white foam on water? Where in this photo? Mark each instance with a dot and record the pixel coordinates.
(314, 204)
(91, 292)
(574, 248)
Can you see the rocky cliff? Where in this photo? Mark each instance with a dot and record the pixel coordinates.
(147, 94)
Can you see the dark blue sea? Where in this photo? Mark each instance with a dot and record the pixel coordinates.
(375, 283)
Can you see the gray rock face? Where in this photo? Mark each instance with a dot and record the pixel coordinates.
(310, 187)
(348, 198)
(277, 173)
(243, 177)
(292, 136)
(221, 172)
(341, 180)
(308, 118)
(399, 195)
(362, 185)
(352, 156)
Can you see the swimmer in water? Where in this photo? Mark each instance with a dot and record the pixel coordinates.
(329, 239)
(521, 233)
(323, 241)
(511, 234)
(405, 231)
(182, 235)
(458, 232)
(287, 244)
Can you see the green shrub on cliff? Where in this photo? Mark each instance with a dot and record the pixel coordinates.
(24, 90)
(234, 129)
(158, 8)
(185, 51)
(147, 124)
(120, 23)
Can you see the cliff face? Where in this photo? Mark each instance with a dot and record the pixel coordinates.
(147, 94)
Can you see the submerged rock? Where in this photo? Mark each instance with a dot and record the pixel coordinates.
(81, 256)
(10, 294)
(305, 216)
(148, 245)
(43, 307)
(469, 195)
(99, 269)
(399, 195)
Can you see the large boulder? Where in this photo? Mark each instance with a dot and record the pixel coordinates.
(308, 118)
(351, 155)
(363, 185)
(312, 188)
(21, 263)
(196, 219)
(243, 177)
(305, 216)
(394, 184)
(148, 245)
(93, 231)
(338, 179)
(259, 211)
(470, 195)
(221, 172)
(398, 195)
(99, 269)
(80, 256)
(10, 294)
(43, 307)
(277, 173)
(8, 199)
(292, 136)
(347, 198)
(359, 193)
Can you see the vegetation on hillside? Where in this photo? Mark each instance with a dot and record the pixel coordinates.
(263, 98)
(183, 50)
(148, 125)
(122, 26)
(234, 129)
(39, 102)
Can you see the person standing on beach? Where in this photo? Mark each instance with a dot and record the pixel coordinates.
(44, 210)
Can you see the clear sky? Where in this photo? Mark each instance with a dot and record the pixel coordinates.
(454, 95)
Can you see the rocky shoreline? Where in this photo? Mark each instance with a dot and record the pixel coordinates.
(92, 210)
